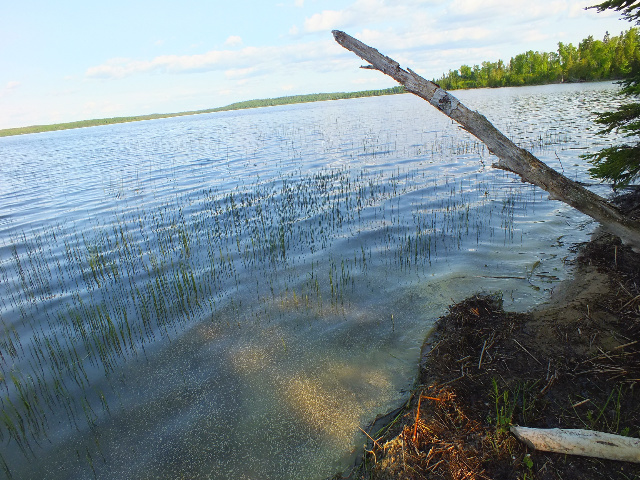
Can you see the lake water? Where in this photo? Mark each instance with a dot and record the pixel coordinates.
(233, 295)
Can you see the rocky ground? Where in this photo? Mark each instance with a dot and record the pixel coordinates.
(572, 363)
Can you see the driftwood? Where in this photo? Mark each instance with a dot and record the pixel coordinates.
(580, 442)
(510, 156)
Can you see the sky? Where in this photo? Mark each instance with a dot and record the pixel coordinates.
(75, 60)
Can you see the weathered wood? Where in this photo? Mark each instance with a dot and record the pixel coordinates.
(580, 442)
(510, 156)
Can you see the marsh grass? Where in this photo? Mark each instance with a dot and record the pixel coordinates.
(605, 415)
(81, 298)
(139, 277)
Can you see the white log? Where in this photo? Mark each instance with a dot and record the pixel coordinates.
(580, 442)
(510, 156)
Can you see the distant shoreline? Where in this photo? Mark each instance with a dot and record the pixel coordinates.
(527, 69)
(257, 103)
(267, 102)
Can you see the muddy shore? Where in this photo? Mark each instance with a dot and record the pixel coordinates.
(574, 362)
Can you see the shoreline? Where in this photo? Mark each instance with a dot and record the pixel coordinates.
(247, 104)
(242, 105)
(572, 362)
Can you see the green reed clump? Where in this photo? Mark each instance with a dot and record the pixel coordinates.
(87, 297)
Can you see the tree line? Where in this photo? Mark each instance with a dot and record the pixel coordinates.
(264, 102)
(611, 58)
(312, 97)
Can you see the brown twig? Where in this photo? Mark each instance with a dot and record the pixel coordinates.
(520, 345)
(415, 427)
(629, 303)
(481, 354)
(551, 381)
(627, 344)
(580, 403)
(375, 442)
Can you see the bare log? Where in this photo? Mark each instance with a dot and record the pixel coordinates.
(580, 442)
(510, 156)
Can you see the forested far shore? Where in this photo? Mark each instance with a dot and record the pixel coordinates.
(612, 58)
(265, 102)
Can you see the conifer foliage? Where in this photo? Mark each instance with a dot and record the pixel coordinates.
(620, 164)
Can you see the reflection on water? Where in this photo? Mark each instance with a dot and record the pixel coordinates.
(233, 295)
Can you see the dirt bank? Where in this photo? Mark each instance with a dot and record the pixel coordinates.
(572, 363)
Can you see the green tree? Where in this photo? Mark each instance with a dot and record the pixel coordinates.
(568, 58)
(592, 60)
(620, 164)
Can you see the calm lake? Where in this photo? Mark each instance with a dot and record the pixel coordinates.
(233, 295)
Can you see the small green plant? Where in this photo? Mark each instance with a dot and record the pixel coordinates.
(518, 400)
(504, 408)
(605, 417)
(527, 462)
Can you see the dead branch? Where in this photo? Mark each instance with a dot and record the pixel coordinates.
(580, 442)
(510, 156)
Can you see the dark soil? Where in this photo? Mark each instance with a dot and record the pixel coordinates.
(573, 363)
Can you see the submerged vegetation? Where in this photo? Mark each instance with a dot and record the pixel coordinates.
(79, 301)
(273, 233)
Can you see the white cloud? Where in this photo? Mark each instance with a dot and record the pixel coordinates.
(234, 63)
(368, 13)
(239, 72)
(233, 41)
(424, 40)
(429, 36)
(213, 60)
(578, 9)
(9, 87)
(328, 20)
(414, 33)
(506, 12)
(361, 12)
(421, 17)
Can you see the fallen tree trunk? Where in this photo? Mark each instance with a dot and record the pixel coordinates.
(510, 156)
(580, 442)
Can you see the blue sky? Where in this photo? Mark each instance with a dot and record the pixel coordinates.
(73, 60)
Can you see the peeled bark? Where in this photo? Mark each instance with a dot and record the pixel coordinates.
(580, 442)
(510, 156)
